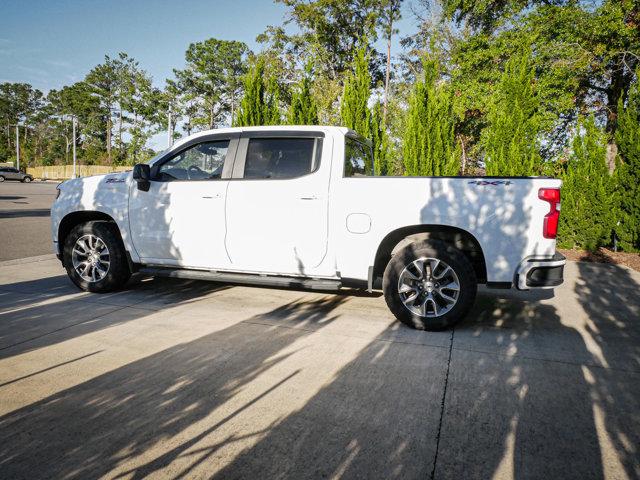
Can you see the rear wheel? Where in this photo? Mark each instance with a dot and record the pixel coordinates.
(429, 286)
(95, 258)
(1, 179)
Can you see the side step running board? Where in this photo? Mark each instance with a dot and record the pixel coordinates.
(243, 278)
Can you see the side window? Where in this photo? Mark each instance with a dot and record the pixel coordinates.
(282, 157)
(358, 159)
(203, 161)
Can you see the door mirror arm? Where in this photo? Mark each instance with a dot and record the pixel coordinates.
(142, 175)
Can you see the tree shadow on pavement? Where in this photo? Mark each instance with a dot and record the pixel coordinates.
(50, 310)
(514, 408)
(95, 428)
(527, 394)
(610, 295)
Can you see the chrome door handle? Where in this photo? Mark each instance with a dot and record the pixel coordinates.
(309, 198)
(211, 196)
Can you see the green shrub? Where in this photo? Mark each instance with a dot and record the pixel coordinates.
(627, 173)
(588, 203)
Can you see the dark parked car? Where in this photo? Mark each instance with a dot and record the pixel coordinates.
(10, 173)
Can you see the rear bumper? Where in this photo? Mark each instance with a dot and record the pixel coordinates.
(540, 273)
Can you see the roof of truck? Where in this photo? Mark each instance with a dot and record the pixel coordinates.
(268, 128)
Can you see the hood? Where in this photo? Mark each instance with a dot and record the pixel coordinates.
(108, 181)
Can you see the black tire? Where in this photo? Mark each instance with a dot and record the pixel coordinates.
(445, 253)
(1, 178)
(118, 272)
(26, 179)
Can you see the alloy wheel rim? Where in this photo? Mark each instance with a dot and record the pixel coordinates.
(90, 258)
(429, 287)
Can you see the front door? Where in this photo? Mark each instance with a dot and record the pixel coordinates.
(181, 219)
(277, 205)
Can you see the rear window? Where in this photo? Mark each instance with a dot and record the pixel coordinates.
(358, 159)
(282, 157)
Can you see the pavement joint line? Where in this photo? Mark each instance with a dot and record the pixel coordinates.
(312, 330)
(551, 360)
(444, 396)
(84, 299)
(52, 367)
(21, 261)
(61, 328)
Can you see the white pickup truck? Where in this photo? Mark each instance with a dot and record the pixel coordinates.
(299, 206)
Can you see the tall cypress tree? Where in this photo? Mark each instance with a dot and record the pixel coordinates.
(303, 110)
(587, 202)
(429, 143)
(380, 140)
(259, 106)
(510, 140)
(354, 109)
(628, 171)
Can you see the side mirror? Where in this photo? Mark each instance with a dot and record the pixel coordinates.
(142, 175)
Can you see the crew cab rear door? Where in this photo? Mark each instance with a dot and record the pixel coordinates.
(277, 203)
(180, 221)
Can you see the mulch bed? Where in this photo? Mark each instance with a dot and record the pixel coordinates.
(602, 255)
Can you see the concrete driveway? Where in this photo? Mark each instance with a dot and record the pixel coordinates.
(186, 379)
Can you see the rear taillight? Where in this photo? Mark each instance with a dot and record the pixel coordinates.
(550, 226)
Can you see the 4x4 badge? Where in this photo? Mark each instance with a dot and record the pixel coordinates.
(490, 182)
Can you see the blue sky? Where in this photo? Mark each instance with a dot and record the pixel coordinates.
(53, 43)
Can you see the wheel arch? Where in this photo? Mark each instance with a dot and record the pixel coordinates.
(461, 239)
(75, 218)
(72, 219)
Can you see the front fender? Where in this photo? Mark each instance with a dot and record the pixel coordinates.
(105, 195)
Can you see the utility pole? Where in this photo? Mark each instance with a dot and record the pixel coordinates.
(73, 122)
(17, 147)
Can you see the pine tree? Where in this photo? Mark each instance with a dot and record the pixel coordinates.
(259, 106)
(303, 110)
(587, 200)
(380, 139)
(429, 143)
(628, 171)
(510, 140)
(354, 109)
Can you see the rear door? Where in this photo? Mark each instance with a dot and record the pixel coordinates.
(277, 203)
(181, 219)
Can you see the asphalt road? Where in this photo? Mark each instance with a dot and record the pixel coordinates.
(24, 219)
(184, 379)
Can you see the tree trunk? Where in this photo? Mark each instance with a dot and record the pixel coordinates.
(612, 153)
(614, 92)
(464, 155)
(109, 136)
(233, 105)
(386, 79)
(120, 130)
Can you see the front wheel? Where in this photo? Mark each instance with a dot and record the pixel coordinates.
(1, 179)
(94, 257)
(26, 179)
(430, 285)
